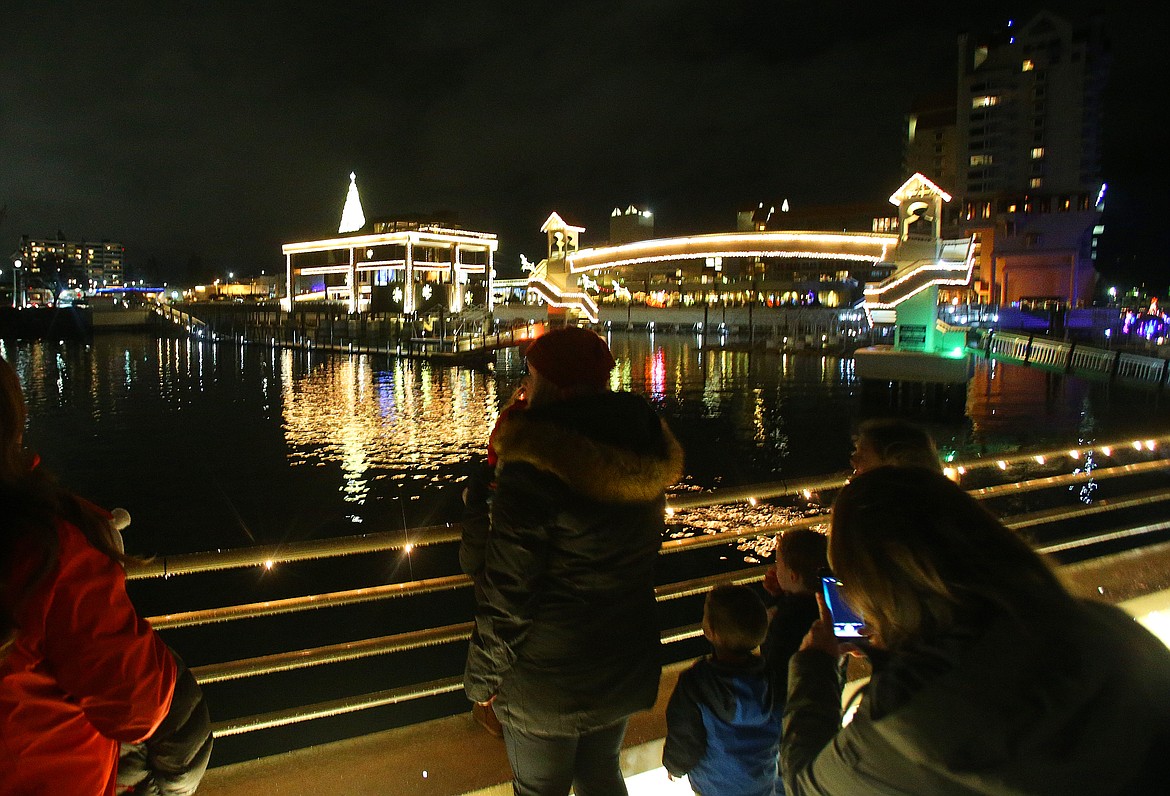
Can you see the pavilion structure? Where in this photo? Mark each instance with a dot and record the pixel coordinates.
(392, 266)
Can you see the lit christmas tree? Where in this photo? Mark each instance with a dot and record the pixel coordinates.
(352, 217)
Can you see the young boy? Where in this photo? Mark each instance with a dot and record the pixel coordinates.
(801, 559)
(723, 720)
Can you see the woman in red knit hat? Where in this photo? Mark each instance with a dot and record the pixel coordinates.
(566, 647)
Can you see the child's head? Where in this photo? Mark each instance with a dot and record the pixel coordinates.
(801, 558)
(734, 620)
(888, 440)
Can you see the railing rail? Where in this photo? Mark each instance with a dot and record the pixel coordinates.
(453, 633)
(1076, 358)
(269, 555)
(336, 653)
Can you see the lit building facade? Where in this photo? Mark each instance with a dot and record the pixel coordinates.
(74, 264)
(405, 265)
(410, 267)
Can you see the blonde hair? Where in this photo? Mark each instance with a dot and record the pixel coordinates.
(917, 554)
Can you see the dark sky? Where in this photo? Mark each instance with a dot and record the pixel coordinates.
(221, 129)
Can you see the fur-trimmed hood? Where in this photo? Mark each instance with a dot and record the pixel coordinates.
(610, 447)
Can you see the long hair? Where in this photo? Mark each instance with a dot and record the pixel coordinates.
(916, 554)
(31, 502)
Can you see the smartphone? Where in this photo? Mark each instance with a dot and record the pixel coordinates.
(847, 624)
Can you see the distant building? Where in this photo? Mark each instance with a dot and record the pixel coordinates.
(630, 225)
(932, 140)
(1027, 139)
(73, 264)
(407, 264)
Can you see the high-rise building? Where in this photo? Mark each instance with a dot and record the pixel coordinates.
(1028, 180)
(931, 145)
(1029, 101)
(73, 264)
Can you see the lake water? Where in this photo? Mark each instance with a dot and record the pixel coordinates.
(221, 446)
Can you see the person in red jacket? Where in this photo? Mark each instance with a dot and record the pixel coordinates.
(80, 671)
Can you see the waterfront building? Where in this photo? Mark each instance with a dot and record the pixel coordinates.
(633, 223)
(399, 265)
(65, 263)
(1024, 148)
(767, 273)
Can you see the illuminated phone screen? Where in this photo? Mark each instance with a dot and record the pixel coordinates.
(846, 622)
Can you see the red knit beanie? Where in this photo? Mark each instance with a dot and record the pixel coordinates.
(571, 357)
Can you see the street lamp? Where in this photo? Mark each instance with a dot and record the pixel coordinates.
(15, 289)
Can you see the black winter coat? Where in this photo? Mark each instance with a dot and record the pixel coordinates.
(567, 636)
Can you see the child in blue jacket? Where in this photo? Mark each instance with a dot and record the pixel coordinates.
(723, 720)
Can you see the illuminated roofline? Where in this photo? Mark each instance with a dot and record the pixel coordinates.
(762, 253)
(967, 264)
(555, 222)
(553, 297)
(882, 305)
(413, 237)
(944, 268)
(754, 244)
(917, 180)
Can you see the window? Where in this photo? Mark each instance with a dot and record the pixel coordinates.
(984, 101)
(1035, 182)
(981, 160)
(1027, 66)
(1032, 240)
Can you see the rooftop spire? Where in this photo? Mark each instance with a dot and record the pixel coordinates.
(352, 217)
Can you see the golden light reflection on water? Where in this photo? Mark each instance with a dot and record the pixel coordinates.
(406, 421)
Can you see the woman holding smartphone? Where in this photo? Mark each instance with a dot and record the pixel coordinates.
(996, 679)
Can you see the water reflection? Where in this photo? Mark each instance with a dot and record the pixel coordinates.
(207, 446)
(405, 421)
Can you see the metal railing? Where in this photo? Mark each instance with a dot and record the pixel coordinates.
(291, 660)
(1076, 359)
(269, 555)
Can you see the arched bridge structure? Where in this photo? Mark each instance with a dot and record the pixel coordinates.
(561, 280)
(856, 246)
(920, 260)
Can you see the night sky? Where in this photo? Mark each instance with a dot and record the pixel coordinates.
(219, 130)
